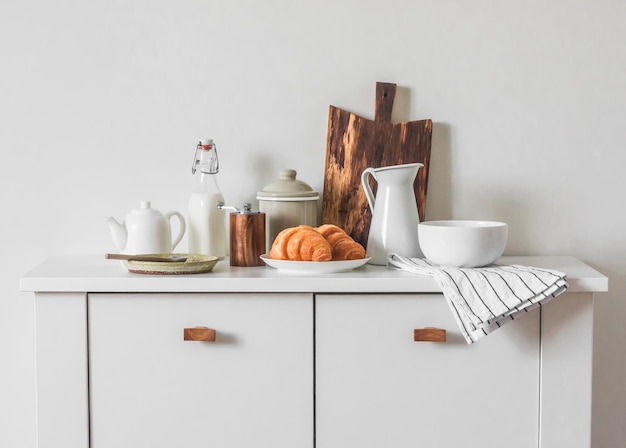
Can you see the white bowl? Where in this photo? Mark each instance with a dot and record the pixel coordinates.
(464, 244)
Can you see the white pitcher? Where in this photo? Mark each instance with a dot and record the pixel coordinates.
(394, 212)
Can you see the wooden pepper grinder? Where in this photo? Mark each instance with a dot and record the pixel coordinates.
(247, 235)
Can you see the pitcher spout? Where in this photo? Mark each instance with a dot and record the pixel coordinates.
(118, 232)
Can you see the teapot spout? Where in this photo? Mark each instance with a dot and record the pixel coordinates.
(118, 232)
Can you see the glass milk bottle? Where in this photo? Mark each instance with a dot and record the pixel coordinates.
(207, 223)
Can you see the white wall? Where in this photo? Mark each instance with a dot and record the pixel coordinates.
(101, 103)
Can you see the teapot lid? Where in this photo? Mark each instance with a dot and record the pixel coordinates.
(144, 208)
(287, 187)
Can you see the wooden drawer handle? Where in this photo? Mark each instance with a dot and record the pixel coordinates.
(199, 334)
(429, 334)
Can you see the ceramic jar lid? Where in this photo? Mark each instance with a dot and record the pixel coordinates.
(288, 188)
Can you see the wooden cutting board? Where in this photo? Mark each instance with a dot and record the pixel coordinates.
(355, 143)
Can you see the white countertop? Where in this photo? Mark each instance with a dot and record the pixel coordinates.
(93, 273)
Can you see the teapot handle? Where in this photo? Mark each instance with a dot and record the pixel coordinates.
(366, 187)
(181, 227)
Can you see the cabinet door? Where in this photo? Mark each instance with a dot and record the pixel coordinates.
(251, 387)
(377, 388)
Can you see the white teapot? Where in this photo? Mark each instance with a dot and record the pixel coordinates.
(146, 231)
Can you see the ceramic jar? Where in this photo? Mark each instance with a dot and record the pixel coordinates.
(287, 202)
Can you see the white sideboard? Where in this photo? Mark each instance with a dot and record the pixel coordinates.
(324, 361)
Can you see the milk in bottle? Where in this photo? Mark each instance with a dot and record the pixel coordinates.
(207, 225)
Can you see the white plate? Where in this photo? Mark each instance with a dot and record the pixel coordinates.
(314, 267)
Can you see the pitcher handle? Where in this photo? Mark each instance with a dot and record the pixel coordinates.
(181, 227)
(366, 187)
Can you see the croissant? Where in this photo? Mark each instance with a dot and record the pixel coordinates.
(302, 243)
(342, 245)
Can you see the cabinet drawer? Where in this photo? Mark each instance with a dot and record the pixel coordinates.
(251, 386)
(376, 387)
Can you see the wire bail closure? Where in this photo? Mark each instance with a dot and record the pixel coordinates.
(196, 160)
(213, 163)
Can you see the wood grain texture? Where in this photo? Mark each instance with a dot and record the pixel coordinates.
(202, 334)
(247, 239)
(355, 143)
(429, 334)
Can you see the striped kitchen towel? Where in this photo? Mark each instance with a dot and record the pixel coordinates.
(484, 299)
